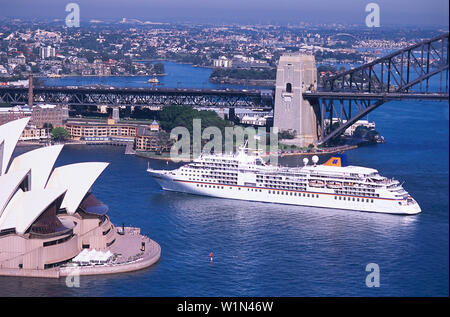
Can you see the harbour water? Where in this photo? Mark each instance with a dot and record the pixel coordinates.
(279, 250)
(178, 76)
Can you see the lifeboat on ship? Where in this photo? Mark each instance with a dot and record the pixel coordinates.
(316, 183)
(332, 184)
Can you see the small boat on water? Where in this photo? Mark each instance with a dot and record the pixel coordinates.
(153, 80)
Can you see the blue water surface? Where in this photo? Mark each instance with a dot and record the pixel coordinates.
(263, 249)
(178, 76)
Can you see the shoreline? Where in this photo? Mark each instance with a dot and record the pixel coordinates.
(151, 155)
(334, 150)
(165, 156)
(235, 81)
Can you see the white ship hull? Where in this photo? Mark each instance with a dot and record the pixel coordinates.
(314, 197)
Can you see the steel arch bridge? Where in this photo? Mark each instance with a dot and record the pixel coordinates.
(139, 97)
(405, 74)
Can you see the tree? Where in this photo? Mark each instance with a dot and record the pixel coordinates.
(48, 127)
(286, 134)
(162, 141)
(158, 68)
(60, 134)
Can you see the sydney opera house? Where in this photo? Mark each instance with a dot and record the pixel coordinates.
(48, 215)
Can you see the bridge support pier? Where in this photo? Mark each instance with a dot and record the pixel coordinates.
(115, 114)
(296, 74)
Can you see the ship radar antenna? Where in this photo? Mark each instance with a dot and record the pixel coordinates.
(305, 161)
(315, 159)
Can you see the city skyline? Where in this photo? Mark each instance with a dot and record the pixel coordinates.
(433, 12)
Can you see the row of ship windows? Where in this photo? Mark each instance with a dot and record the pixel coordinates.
(216, 165)
(360, 189)
(358, 193)
(210, 186)
(293, 193)
(225, 181)
(353, 199)
(271, 177)
(214, 175)
(207, 177)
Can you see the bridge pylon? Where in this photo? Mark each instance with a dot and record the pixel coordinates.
(296, 74)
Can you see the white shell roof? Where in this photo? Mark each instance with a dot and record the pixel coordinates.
(10, 133)
(25, 207)
(2, 145)
(77, 179)
(19, 209)
(8, 186)
(40, 161)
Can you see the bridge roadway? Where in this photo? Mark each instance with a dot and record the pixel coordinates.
(226, 98)
(85, 96)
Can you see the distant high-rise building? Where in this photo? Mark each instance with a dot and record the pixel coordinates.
(222, 61)
(47, 52)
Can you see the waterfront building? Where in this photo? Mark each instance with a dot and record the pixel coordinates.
(18, 60)
(154, 127)
(222, 61)
(254, 120)
(148, 139)
(101, 69)
(82, 130)
(56, 115)
(32, 133)
(8, 114)
(48, 216)
(350, 130)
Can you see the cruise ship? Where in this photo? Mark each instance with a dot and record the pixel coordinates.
(245, 176)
